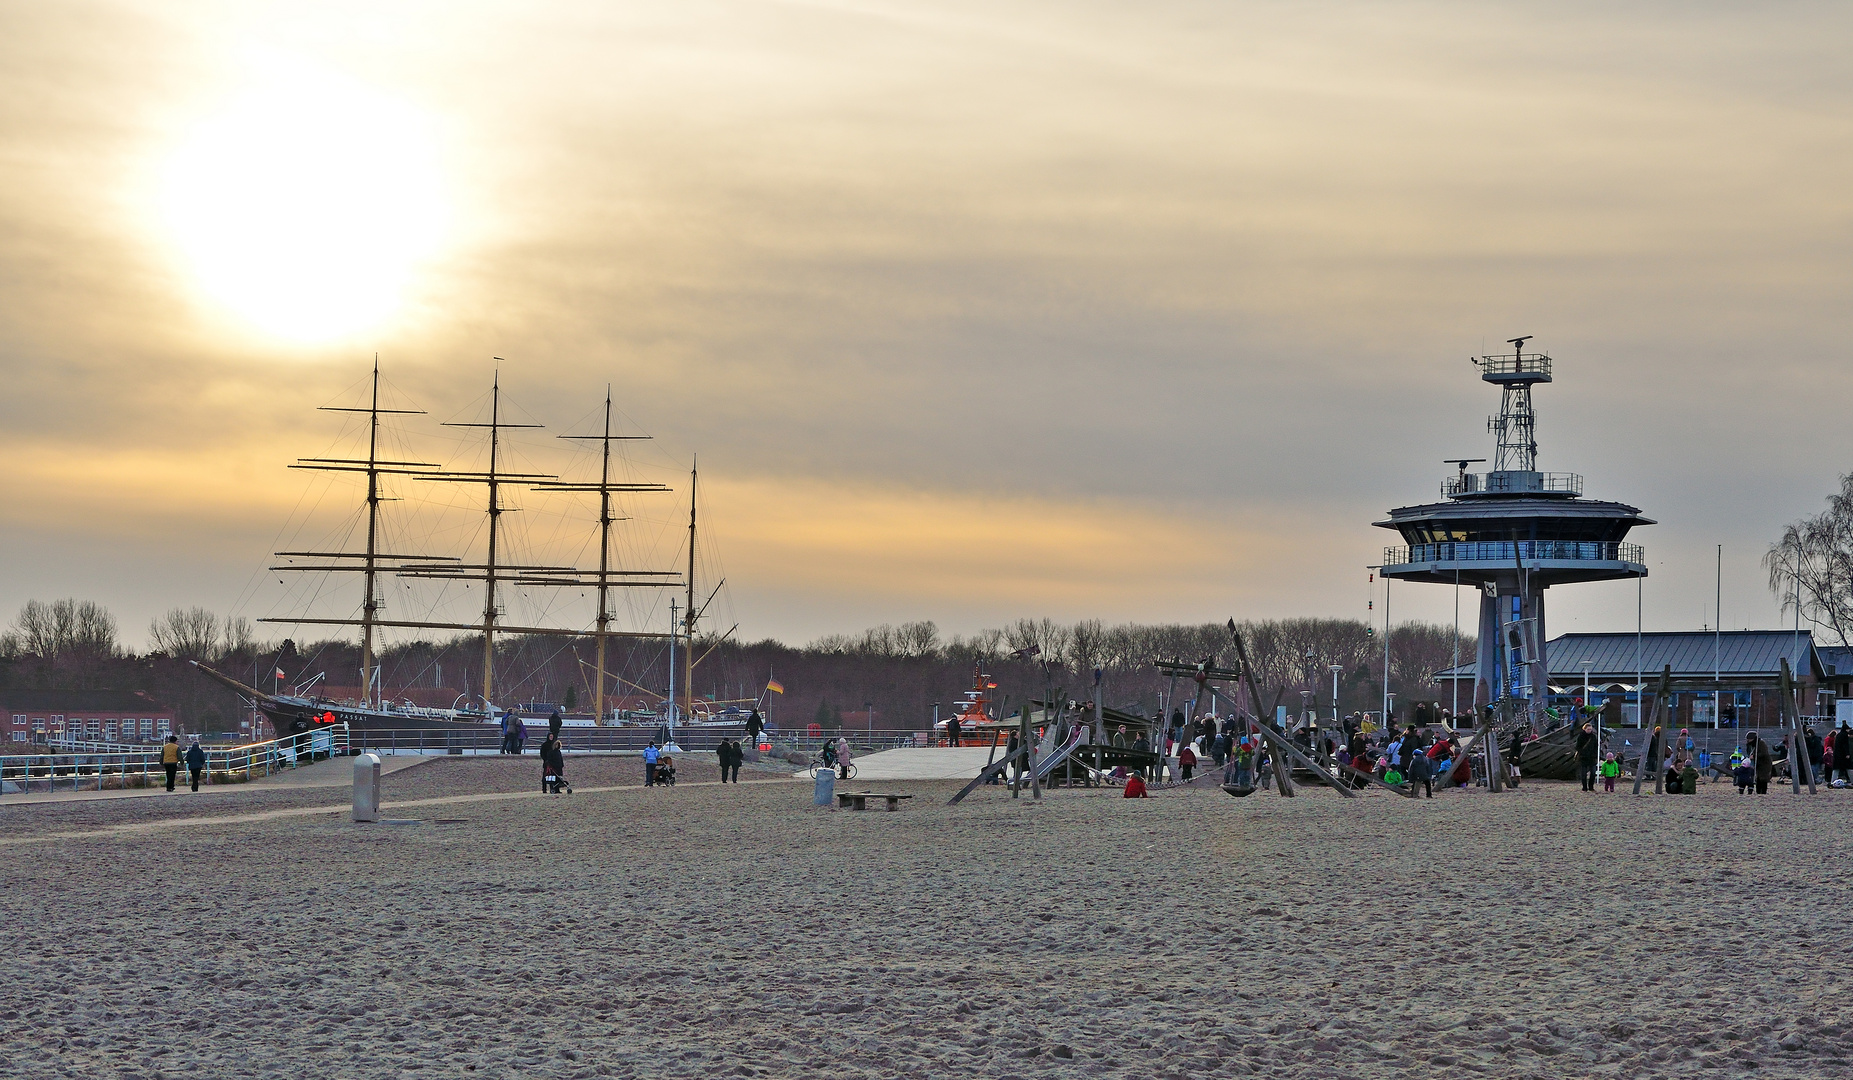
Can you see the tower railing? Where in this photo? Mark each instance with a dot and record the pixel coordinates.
(1511, 483)
(1524, 367)
(1501, 551)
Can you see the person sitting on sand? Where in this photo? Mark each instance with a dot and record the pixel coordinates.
(1741, 774)
(665, 770)
(1671, 779)
(1610, 770)
(1135, 787)
(1689, 779)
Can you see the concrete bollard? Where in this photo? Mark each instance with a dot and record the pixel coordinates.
(826, 787)
(367, 787)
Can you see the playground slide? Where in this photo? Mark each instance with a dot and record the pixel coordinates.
(1050, 760)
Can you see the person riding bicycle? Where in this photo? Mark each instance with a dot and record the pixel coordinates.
(829, 754)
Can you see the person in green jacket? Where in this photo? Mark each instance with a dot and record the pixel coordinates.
(1610, 770)
(1689, 778)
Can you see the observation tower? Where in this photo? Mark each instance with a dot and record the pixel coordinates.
(1513, 532)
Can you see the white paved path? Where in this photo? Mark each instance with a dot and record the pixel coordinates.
(921, 763)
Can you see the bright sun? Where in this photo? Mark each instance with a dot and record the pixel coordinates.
(306, 208)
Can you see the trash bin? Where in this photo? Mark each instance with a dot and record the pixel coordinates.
(826, 788)
(367, 787)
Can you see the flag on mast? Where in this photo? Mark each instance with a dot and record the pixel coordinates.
(775, 686)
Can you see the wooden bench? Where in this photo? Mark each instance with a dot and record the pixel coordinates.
(859, 800)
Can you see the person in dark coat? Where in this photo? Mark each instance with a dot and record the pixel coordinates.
(1422, 771)
(1816, 751)
(196, 762)
(552, 764)
(1758, 752)
(1586, 755)
(1513, 753)
(1843, 753)
(754, 725)
(554, 722)
(952, 730)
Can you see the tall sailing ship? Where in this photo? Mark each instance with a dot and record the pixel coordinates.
(302, 711)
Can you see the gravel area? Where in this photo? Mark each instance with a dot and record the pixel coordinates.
(714, 930)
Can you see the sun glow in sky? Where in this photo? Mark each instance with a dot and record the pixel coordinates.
(305, 206)
(973, 309)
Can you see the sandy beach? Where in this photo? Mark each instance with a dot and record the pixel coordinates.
(714, 930)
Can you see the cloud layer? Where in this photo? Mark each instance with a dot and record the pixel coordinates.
(970, 311)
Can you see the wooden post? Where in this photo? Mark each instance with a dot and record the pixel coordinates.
(1035, 783)
(1281, 780)
(1490, 739)
(1798, 747)
(1660, 696)
(1285, 746)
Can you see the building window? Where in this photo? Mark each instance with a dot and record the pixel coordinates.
(109, 729)
(162, 727)
(147, 729)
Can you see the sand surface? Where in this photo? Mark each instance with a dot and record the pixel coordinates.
(716, 930)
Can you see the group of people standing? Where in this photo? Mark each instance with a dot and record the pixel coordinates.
(1753, 764)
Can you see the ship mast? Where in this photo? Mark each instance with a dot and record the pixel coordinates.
(493, 570)
(606, 575)
(371, 560)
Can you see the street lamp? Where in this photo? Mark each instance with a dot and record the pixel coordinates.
(869, 707)
(1336, 668)
(1586, 666)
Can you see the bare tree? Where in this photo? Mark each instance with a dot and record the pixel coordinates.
(186, 634)
(1811, 566)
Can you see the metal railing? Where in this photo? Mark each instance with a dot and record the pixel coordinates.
(1501, 551)
(1517, 368)
(471, 740)
(102, 767)
(1512, 483)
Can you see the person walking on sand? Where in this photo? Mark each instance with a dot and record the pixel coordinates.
(521, 735)
(754, 725)
(1586, 755)
(952, 730)
(552, 764)
(196, 762)
(842, 758)
(650, 757)
(1186, 761)
(1843, 753)
(508, 733)
(1422, 771)
(170, 758)
(1763, 767)
(1610, 770)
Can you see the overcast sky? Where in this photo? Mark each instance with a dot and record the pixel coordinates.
(971, 310)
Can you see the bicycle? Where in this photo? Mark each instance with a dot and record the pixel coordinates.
(843, 772)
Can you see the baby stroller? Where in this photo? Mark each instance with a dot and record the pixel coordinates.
(553, 782)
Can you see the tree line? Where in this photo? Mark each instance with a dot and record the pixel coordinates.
(896, 672)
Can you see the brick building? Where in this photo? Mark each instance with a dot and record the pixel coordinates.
(102, 715)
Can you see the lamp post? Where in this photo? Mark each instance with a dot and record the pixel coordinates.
(869, 707)
(1586, 665)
